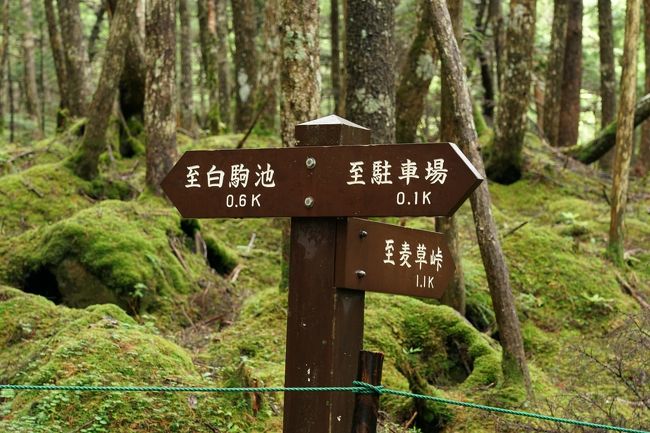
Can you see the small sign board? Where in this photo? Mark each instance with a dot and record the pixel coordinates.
(430, 179)
(386, 258)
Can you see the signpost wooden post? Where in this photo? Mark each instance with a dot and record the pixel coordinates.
(333, 261)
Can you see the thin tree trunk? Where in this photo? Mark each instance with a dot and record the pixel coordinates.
(12, 106)
(505, 164)
(555, 72)
(75, 56)
(159, 110)
(207, 41)
(514, 359)
(415, 79)
(624, 133)
(299, 74)
(42, 91)
(4, 52)
(94, 33)
(606, 138)
(32, 102)
(336, 56)
(223, 69)
(244, 25)
(86, 160)
(454, 296)
(270, 73)
(370, 93)
(643, 165)
(59, 63)
(607, 72)
(496, 18)
(187, 106)
(572, 78)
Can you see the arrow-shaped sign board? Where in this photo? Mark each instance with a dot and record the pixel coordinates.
(431, 179)
(386, 258)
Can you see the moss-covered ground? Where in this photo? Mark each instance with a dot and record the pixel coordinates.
(122, 292)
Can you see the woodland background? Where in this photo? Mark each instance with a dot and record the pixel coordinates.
(105, 283)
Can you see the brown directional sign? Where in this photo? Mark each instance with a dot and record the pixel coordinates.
(431, 179)
(380, 257)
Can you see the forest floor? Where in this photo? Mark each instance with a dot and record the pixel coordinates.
(105, 284)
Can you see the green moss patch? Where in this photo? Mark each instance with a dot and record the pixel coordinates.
(128, 253)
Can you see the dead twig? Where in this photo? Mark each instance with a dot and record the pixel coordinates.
(515, 229)
(30, 187)
(235, 273)
(628, 289)
(178, 255)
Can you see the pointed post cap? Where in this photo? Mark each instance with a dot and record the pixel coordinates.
(331, 130)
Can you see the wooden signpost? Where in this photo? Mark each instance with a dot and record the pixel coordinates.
(333, 261)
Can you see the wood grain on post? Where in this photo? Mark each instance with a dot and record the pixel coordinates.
(325, 324)
(366, 406)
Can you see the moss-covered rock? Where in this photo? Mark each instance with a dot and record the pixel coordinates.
(101, 345)
(129, 253)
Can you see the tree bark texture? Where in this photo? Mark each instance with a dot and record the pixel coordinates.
(572, 78)
(336, 56)
(607, 72)
(159, 110)
(482, 22)
(606, 138)
(75, 56)
(644, 145)
(454, 296)
(555, 72)
(300, 74)
(370, 92)
(416, 77)
(624, 132)
(186, 103)
(4, 52)
(495, 12)
(223, 70)
(514, 359)
(59, 61)
(208, 42)
(245, 27)
(86, 160)
(32, 103)
(505, 163)
(270, 70)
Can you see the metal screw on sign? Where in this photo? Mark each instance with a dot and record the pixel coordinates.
(310, 163)
(363, 234)
(309, 202)
(360, 273)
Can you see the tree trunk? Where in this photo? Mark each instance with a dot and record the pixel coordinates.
(4, 52)
(299, 73)
(370, 93)
(59, 62)
(643, 166)
(132, 84)
(12, 106)
(159, 110)
(624, 133)
(187, 106)
(504, 165)
(416, 76)
(572, 78)
(244, 26)
(514, 359)
(496, 18)
(32, 103)
(555, 72)
(94, 33)
(223, 70)
(86, 160)
(207, 41)
(75, 56)
(270, 74)
(454, 296)
(607, 72)
(336, 56)
(606, 138)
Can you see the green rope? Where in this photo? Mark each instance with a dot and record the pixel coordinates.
(358, 388)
